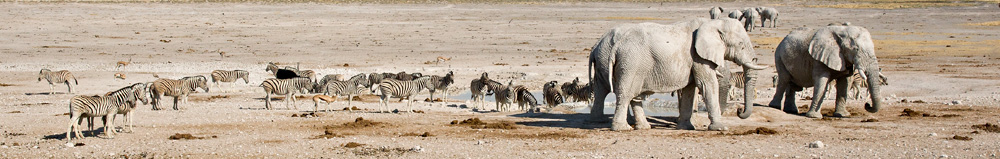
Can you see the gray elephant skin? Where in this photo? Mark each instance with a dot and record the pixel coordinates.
(813, 58)
(736, 14)
(636, 60)
(715, 12)
(767, 13)
(750, 14)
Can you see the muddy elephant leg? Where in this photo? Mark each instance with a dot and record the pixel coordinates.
(597, 107)
(842, 91)
(640, 114)
(685, 108)
(619, 121)
(725, 88)
(709, 90)
(819, 93)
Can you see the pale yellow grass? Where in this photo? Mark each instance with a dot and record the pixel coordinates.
(993, 23)
(935, 47)
(898, 4)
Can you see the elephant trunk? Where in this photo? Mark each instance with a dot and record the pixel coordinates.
(873, 90)
(749, 91)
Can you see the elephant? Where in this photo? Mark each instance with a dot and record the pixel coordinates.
(750, 14)
(808, 58)
(736, 14)
(715, 12)
(637, 60)
(767, 13)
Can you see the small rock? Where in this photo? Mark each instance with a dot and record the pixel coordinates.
(932, 135)
(955, 102)
(480, 142)
(816, 144)
(417, 149)
(69, 144)
(944, 156)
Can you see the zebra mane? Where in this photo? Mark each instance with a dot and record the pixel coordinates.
(44, 70)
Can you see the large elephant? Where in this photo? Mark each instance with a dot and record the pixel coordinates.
(808, 58)
(637, 60)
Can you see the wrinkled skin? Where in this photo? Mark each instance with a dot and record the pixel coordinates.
(814, 58)
(636, 60)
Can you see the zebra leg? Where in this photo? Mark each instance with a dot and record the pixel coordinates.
(128, 122)
(51, 90)
(70, 87)
(175, 102)
(350, 97)
(267, 101)
(109, 125)
(288, 98)
(73, 122)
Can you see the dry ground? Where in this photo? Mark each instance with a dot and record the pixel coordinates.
(932, 56)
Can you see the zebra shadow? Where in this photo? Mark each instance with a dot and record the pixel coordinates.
(44, 93)
(579, 121)
(275, 98)
(86, 133)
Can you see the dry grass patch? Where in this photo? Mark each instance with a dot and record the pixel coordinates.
(993, 23)
(896, 4)
(934, 47)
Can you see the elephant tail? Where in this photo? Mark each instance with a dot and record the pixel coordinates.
(605, 45)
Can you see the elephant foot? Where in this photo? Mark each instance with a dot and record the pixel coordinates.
(717, 127)
(642, 126)
(685, 125)
(842, 114)
(620, 127)
(775, 106)
(816, 114)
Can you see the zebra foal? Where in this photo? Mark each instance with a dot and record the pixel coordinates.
(219, 76)
(62, 76)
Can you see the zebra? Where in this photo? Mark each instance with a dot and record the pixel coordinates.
(230, 77)
(525, 100)
(859, 82)
(62, 76)
(271, 67)
(330, 77)
(348, 88)
(440, 83)
(551, 94)
(276, 71)
(738, 83)
(125, 110)
(501, 93)
(287, 87)
(577, 91)
(477, 87)
(393, 88)
(107, 106)
(176, 88)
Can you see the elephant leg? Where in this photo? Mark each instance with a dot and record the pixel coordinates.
(790, 99)
(640, 115)
(619, 121)
(597, 107)
(708, 86)
(685, 108)
(819, 93)
(840, 111)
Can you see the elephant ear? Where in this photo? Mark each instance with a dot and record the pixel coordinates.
(824, 47)
(708, 43)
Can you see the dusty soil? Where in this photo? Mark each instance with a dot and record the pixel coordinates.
(936, 56)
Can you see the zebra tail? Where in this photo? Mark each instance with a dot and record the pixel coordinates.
(75, 81)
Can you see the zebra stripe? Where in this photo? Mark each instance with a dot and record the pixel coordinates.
(287, 87)
(330, 77)
(477, 87)
(525, 100)
(440, 83)
(107, 106)
(347, 88)
(501, 93)
(551, 94)
(392, 88)
(176, 88)
(577, 91)
(738, 81)
(219, 76)
(58, 77)
(859, 83)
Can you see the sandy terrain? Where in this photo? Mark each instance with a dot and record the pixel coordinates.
(932, 56)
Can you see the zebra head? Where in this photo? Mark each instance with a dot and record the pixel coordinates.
(139, 89)
(42, 74)
(243, 74)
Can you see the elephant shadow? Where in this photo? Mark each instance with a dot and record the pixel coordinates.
(579, 121)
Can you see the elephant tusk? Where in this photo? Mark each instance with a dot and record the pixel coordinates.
(754, 66)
